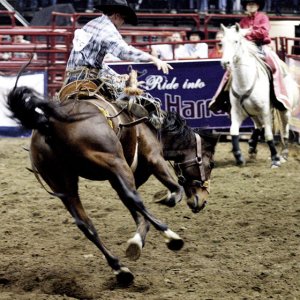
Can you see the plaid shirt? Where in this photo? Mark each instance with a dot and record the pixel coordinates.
(100, 36)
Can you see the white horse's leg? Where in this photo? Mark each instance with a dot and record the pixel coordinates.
(236, 121)
(275, 159)
(252, 150)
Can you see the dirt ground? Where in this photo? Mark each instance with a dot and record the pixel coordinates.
(244, 245)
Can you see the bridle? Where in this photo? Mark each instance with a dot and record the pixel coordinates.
(180, 167)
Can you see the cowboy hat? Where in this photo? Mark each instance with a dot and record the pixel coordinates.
(118, 6)
(260, 3)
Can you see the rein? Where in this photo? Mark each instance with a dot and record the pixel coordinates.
(180, 167)
(246, 95)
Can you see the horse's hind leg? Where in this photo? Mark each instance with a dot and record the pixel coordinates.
(285, 117)
(252, 150)
(74, 206)
(269, 138)
(257, 132)
(66, 186)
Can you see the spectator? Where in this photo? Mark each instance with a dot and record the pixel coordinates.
(276, 6)
(165, 51)
(34, 5)
(222, 5)
(268, 7)
(45, 3)
(24, 5)
(196, 50)
(201, 5)
(89, 6)
(217, 51)
(17, 40)
(296, 5)
(175, 6)
(237, 6)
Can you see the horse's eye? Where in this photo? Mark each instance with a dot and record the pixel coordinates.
(212, 164)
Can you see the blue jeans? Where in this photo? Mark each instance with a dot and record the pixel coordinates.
(32, 5)
(201, 5)
(222, 5)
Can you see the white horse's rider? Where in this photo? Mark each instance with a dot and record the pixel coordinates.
(258, 25)
(99, 37)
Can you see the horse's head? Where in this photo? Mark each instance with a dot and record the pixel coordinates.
(232, 44)
(193, 156)
(195, 169)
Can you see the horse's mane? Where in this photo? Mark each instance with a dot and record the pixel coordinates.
(175, 125)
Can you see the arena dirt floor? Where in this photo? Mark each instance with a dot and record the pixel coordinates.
(244, 245)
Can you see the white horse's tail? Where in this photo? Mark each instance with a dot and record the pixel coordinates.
(278, 124)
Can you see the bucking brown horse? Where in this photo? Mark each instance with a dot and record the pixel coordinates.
(94, 139)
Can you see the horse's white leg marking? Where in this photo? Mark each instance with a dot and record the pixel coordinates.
(134, 248)
(170, 235)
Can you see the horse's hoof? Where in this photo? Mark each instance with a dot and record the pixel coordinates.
(175, 245)
(275, 164)
(168, 199)
(168, 202)
(283, 159)
(133, 251)
(240, 163)
(124, 276)
(173, 240)
(239, 159)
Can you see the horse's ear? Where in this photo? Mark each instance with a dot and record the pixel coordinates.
(223, 27)
(237, 27)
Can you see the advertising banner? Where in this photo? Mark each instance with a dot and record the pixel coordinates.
(8, 127)
(187, 89)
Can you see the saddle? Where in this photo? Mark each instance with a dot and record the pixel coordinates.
(80, 88)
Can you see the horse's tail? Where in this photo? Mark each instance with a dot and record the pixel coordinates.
(278, 125)
(30, 109)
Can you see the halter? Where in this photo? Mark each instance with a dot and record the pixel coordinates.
(180, 167)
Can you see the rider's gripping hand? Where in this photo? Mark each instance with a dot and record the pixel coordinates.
(161, 65)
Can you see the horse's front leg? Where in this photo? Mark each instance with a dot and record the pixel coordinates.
(122, 180)
(157, 165)
(236, 121)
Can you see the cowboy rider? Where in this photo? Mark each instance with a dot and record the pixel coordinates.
(99, 37)
(258, 26)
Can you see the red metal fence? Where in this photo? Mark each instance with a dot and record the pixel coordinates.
(52, 44)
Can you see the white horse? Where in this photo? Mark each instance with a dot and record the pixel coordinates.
(249, 92)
